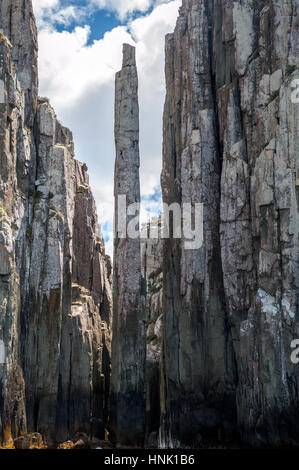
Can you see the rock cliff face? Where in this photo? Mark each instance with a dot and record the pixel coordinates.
(152, 273)
(18, 24)
(55, 280)
(218, 321)
(230, 141)
(127, 419)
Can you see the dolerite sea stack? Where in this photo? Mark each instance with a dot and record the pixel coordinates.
(165, 346)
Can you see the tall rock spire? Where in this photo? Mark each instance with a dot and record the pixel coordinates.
(128, 344)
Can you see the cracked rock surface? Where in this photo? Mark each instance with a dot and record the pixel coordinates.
(55, 279)
(231, 142)
(127, 418)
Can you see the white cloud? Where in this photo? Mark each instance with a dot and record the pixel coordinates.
(78, 77)
(69, 67)
(40, 5)
(43, 8)
(124, 7)
(67, 15)
(50, 12)
(149, 34)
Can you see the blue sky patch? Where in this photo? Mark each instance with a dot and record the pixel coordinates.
(100, 21)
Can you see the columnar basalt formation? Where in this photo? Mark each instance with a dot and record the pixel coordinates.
(198, 363)
(127, 420)
(152, 273)
(218, 321)
(68, 282)
(18, 24)
(55, 280)
(12, 210)
(230, 141)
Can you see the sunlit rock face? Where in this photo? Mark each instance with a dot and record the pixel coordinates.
(230, 141)
(55, 279)
(127, 419)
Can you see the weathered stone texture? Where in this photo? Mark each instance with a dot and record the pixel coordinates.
(18, 24)
(218, 321)
(152, 272)
(230, 140)
(127, 420)
(68, 283)
(198, 374)
(12, 208)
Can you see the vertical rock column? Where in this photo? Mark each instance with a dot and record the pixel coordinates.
(152, 272)
(55, 279)
(12, 391)
(231, 307)
(259, 134)
(66, 311)
(127, 420)
(18, 24)
(197, 364)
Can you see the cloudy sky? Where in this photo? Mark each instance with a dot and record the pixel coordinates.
(80, 48)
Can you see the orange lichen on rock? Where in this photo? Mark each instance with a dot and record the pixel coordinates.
(7, 446)
(69, 445)
(30, 442)
(7, 438)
